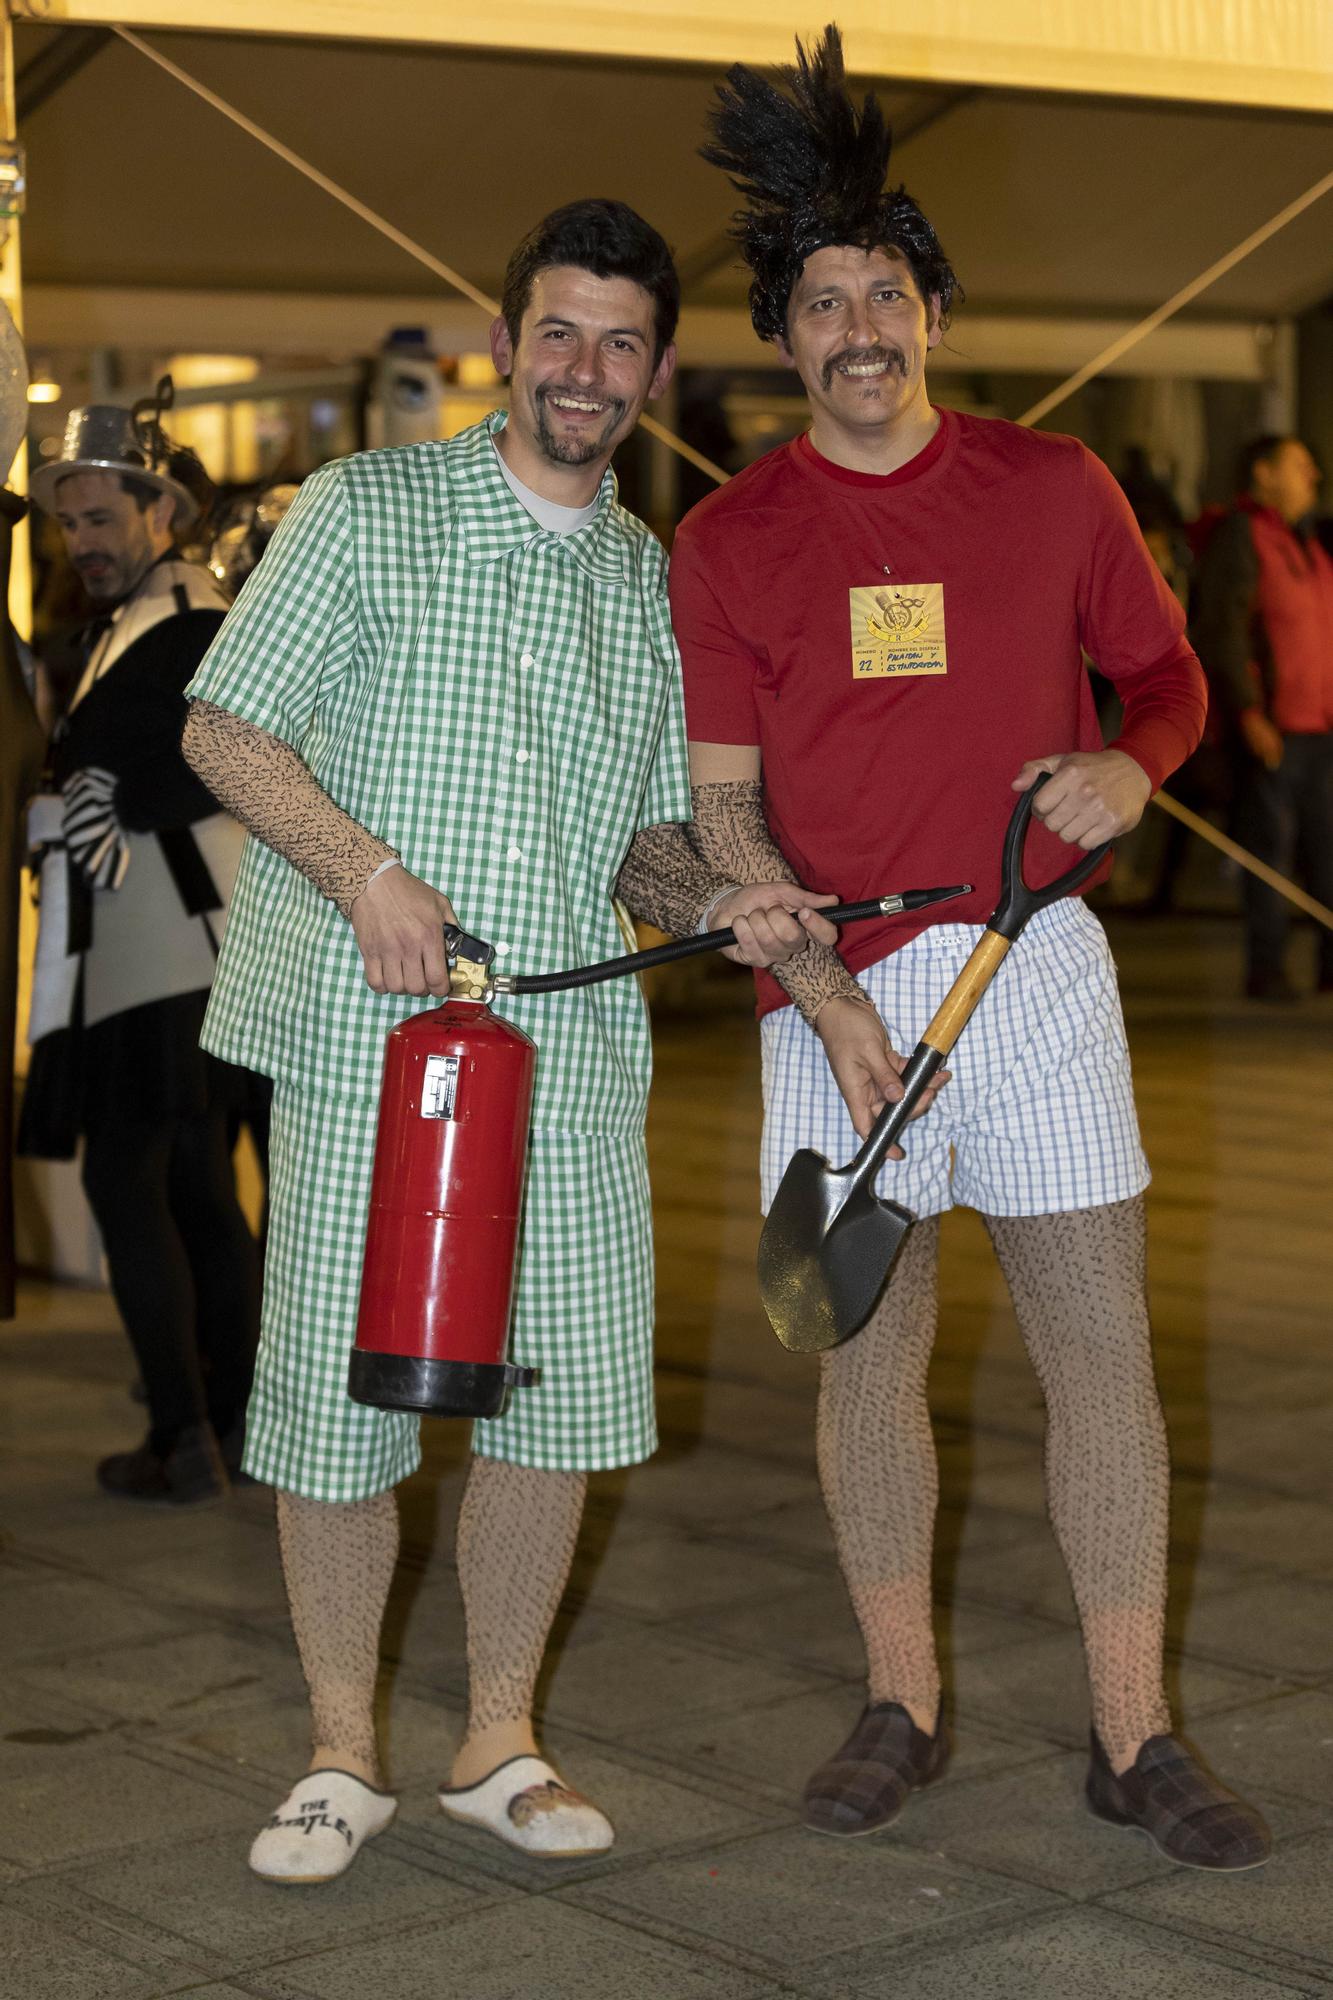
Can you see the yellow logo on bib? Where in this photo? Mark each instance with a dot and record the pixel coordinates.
(898, 630)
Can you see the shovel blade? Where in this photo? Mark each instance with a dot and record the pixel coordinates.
(826, 1249)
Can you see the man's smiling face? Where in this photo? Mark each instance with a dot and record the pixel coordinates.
(858, 333)
(584, 365)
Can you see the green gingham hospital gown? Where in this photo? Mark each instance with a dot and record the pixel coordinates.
(503, 705)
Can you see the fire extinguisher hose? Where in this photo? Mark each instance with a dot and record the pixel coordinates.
(666, 954)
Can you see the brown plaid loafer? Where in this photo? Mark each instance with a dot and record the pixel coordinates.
(866, 1784)
(1185, 1813)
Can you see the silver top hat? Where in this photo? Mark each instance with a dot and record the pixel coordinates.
(105, 438)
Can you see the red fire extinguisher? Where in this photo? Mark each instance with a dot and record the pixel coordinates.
(446, 1198)
(450, 1156)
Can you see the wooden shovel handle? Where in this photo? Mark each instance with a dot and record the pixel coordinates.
(956, 1008)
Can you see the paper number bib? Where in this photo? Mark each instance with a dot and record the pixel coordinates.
(897, 630)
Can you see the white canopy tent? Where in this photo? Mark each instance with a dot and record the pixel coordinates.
(1065, 214)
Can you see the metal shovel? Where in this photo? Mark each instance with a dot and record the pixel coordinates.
(829, 1241)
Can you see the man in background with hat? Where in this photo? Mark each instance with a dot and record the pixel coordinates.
(881, 627)
(136, 863)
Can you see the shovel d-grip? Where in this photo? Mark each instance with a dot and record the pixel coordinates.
(829, 1242)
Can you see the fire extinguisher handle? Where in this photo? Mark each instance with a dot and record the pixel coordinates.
(461, 944)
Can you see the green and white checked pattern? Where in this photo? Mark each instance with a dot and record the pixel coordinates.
(503, 705)
(583, 1312)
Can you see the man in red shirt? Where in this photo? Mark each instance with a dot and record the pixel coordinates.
(882, 627)
(1263, 622)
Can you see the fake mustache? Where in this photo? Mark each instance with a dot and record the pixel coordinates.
(888, 357)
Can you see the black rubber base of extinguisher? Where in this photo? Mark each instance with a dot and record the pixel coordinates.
(434, 1388)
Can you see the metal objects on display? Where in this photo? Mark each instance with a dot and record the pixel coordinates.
(246, 533)
(829, 1241)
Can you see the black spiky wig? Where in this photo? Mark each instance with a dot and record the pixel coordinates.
(811, 170)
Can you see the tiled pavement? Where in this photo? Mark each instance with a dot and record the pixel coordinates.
(150, 1705)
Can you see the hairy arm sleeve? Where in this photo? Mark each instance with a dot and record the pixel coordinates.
(732, 834)
(665, 880)
(274, 794)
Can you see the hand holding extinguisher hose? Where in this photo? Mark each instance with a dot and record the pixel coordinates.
(460, 945)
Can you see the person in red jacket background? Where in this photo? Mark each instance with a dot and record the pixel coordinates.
(1263, 624)
(882, 628)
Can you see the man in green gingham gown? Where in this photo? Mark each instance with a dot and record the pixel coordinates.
(450, 691)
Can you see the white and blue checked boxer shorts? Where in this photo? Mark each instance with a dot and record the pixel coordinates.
(1039, 1116)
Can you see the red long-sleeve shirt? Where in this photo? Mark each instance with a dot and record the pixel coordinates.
(801, 603)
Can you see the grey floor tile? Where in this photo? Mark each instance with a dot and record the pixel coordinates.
(1282, 1913)
(1268, 1448)
(43, 1959)
(424, 1639)
(111, 1800)
(797, 1528)
(200, 1671)
(620, 1687)
(1030, 1576)
(975, 1528)
(777, 1746)
(805, 1906)
(814, 1627)
(1032, 1822)
(212, 1991)
(39, 1730)
(1283, 1745)
(1269, 1528)
(712, 1488)
(1281, 1626)
(203, 1893)
(265, 1739)
(242, 1575)
(513, 1953)
(60, 1615)
(670, 1573)
(1042, 1684)
(1086, 1955)
(103, 1538)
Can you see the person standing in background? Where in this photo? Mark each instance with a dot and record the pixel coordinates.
(136, 863)
(1263, 626)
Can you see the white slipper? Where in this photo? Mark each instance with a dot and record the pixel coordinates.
(320, 1827)
(528, 1806)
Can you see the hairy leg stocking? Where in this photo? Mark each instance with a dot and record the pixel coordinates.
(338, 1559)
(1078, 1286)
(516, 1533)
(878, 1471)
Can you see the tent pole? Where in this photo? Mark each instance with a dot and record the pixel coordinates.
(11, 291)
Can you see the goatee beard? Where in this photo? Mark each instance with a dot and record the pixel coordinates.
(573, 451)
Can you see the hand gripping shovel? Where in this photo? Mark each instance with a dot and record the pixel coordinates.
(829, 1241)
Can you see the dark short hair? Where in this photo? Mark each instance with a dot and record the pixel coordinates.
(1261, 451)
(141, 491)
(604, 237)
